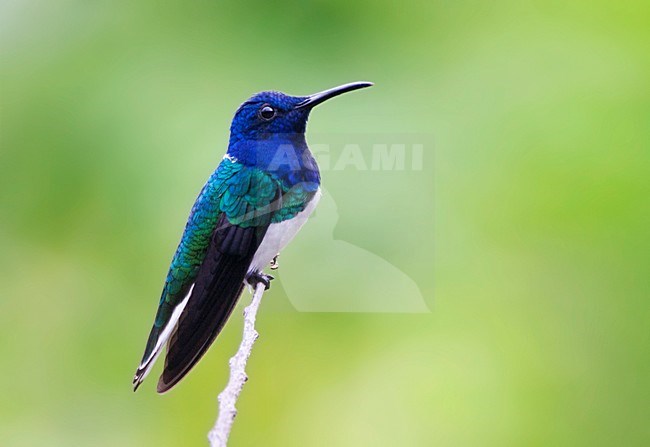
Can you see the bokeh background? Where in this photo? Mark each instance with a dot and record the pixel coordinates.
(526, 231)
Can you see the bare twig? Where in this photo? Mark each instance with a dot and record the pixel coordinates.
(219, 434)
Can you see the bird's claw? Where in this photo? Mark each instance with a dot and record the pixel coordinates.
(274, 262)
(255, 278)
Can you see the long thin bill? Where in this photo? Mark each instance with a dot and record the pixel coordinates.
(317, 98)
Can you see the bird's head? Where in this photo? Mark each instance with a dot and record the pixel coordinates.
(271, 113)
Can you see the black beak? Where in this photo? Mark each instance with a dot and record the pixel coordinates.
(315, 99)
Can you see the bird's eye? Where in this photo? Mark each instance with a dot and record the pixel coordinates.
(267, 112)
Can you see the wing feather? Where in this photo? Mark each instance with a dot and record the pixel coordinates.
(219, 284)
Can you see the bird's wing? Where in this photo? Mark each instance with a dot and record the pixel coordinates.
(218, 286)
(227, 224)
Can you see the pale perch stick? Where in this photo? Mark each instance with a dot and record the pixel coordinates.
(219, 434)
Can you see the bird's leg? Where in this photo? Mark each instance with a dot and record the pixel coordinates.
(274, 262)
(253, 278)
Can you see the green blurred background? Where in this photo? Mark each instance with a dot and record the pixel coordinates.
(526, 230)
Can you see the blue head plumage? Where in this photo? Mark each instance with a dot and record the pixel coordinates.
(270, 120)
(266, 114)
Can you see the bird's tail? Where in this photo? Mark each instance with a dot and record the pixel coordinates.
(157, 339)
(199, 325)
(218, 285)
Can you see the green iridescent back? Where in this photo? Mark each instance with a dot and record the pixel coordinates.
(249, 197)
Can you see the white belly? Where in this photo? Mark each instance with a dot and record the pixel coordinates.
(279, 235)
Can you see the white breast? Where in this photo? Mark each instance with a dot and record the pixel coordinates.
(279, 235)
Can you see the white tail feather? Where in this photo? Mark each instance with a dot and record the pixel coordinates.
(147, 364)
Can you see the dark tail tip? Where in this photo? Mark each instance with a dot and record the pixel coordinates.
(164, 386)
(137, 379)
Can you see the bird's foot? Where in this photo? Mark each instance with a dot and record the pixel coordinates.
(274, 262)
(254, 278)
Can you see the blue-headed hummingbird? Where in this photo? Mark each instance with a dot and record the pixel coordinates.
(251, 207)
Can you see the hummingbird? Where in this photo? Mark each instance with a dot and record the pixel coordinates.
(251, 207)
